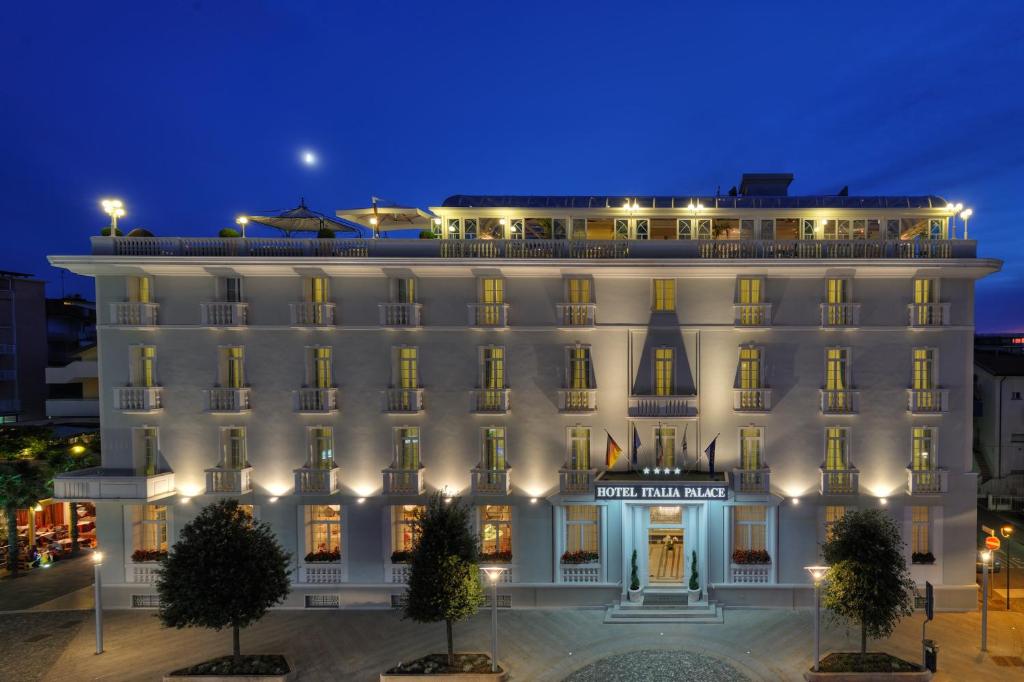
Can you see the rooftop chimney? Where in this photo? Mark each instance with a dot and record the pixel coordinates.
(765, 184)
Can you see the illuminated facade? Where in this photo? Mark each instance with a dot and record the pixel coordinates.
(333, 384)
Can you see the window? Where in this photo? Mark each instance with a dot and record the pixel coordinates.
(321, 447)
(685, 228)
(807, 230)
(321, 370)
(143, 368)
(579, 228)
(832, 514)
(704, 228)
(922, 448)
(1015, 395)
(665, 446)
(318, 290)
(838, 290)
(749, 528)
(407, 448)
(408, 367)
(492, 367)
(926, 291)
(140, 289)
(582, 524)
(580, 368)
(469, 228)
(837, 312)
(454, 225)
(492, 290)
(920, 521)
(495, 532)
(404, 530)
(233, 448)
(643, 229)
(664, 295)
(767, 229)
(232, 367)
(149, 531)
(621, 228)
(405, 290)
(926, 294)
(750, 367)
(579, 448)
(664, 371)
(750, 296)
(924, 371)
(230, 289)
(493, 445)
(751, 446)
(837, 448)
(579, 290)
(323, 532)
(146, 449)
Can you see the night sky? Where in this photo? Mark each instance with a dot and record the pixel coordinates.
(195, 112)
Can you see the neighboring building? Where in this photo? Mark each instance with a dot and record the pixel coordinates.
(72, 377)
(22, 347)
(825, 341)
(999, 413)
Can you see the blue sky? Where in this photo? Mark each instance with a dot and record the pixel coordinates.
(195, 112)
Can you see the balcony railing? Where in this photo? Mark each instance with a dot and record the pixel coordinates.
(403, 400)
(752, 399)
(752, 480)
(322, 573)
(839, 481)
(926, 482)
(658, 406)
(927, 401)
(316, 400)
(490, 481)
(403, 481)
(533, 248)
(576, 481)
(220, 480)
(577, 314)
(928, 314)
(577, 399)
(580, 573)
(224, 314)
(400, 314)
(840, 402)
(750, 574)
(840, 314)
(316, 481)
(138, 398)
(307, 314)
(488, 315)
(104, 483)
(72, 407)
(752, 314)
(490, 400)
(134, 314)
(227, 400)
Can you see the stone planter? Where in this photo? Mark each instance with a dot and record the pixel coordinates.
(692, 596)
(919, 676)
(499, 676)
(635, 596)
(234, 678)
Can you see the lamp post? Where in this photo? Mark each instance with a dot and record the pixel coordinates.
(242, 221)
(818, 576)
(494, 574)
(965, 215)
(986, 556)
(1006, 532)
(115, 209)
(97, 559)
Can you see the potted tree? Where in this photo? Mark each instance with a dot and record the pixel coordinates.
(225, 571)
(693, 593)
(635, 594)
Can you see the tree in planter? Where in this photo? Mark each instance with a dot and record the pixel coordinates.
(694, 583)
(634, 577)
(226, 570)
(22, 485)
(444, 581)
(868, 582)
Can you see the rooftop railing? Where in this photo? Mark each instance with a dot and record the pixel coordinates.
(813, 249)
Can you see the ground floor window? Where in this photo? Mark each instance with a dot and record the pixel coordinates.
(149, 532)
(749, 534)
(920, 539)
(404, 532)
(832, 514)
(582, 525)
(495, 532)
(323, 532)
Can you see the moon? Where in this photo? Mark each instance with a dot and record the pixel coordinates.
(309, 158)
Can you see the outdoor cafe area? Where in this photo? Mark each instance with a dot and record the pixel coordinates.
(45, 535)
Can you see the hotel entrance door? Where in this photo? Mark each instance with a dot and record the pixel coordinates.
(665, 555)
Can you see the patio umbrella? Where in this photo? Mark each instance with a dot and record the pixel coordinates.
(381, 217)
(303, 219)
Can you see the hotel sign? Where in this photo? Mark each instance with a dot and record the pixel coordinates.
(661, 491)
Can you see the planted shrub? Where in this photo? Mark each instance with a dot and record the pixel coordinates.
(634, 577)
(228, 233)
(401, 556)
(143, 555)
(106, 232)
(751, 556)
(495, 557)
(324, 233)
(922, 558)
(694, 583)
(324, 555)
(582, 556)
(427, 234)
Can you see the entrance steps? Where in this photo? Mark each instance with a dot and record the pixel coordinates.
(665, 606)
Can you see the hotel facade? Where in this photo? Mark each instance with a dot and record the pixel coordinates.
(824, 343)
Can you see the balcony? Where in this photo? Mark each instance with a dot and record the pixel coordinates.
(224, 314)
(310, 481)
(839, 402)
(134, 314)
(839, 481)
(488, 315)
(838, 315)
(577, 315)
(227, 400)
(926, 482)
(73, 407)
(576, 400)
(101, 483)
(400, 314)
(316, 400)
(752, 314)
(662, 406)
(308, 314)
(922, 315)
(403, 481)
(403, 400)
(138, 398)
(750, 574)
(72, 373)
(576, 481)
(927, 401)
(322, 573)
(752, 399)
(489, 400)
(490, 481)
(229, 481)
(756, 481)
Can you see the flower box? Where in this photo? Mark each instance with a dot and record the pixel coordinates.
(922, 558)
(495, 557)
(401, 556)
(142, 556)
(323, 556)
(581, 557)
(751, 556)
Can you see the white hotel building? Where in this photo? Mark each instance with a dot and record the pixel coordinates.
(334, 384)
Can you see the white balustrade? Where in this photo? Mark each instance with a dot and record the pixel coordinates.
(138, 398)
(224, 313)
(134, 314)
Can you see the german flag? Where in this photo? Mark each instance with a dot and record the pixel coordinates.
(612, 452)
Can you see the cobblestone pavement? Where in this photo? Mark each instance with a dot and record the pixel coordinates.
(31, 643)
(40, 585)
(658, 666)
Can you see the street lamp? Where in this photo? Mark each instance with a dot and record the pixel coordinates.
(494, 574)
(1006, 532)
(965, 215)
(242, 221)
(97, 559)
(986, 556)
(818, 576)
(115, 209)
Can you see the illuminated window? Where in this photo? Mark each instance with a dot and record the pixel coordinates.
(149, 529)
(492, 367)
(837, 369)
(143, 366)
(685, 228)
(751, 444)
(408, 367)
(579, 290)
(407, 448)
(749, 527)
(321, 447)
(494, 448)
(664, 295)
(492, 290)
(926, 294)
(643, 229)
(664, 371)
(147, 448)
(665, 515)
(404, 527)
(665, 446)
(582, 525)
(832, 515)
(920, 542)
(837, 456)
(580, 369)
(495, 532)
(230, 289)
(140, 289)
(704, 228)
(750, 367)
(233, 448)
(922, 448)
(320, 368)
(579, 448)
(318, 290)
(232, 367)
(323, 531)
(924, 371)
(405, 290)
(750, 298)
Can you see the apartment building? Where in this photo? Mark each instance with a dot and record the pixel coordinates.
(22, 347)
(823, 343)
